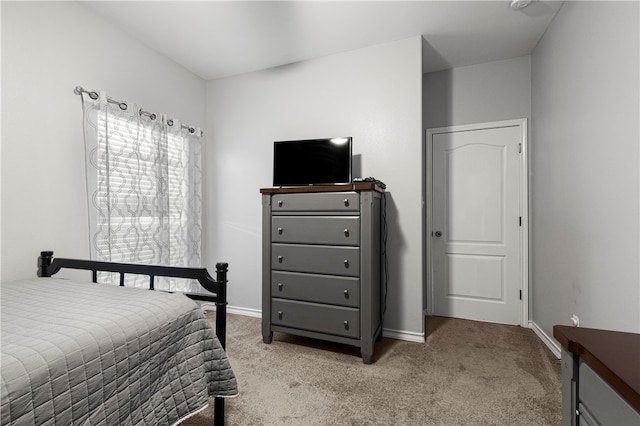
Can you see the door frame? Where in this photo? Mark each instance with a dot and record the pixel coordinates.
(524, 208)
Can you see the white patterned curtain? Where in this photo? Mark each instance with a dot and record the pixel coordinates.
(144, 189)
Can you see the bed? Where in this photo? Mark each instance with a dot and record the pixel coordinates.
(74, 352)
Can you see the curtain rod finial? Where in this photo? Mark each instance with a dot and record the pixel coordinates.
(77, 90)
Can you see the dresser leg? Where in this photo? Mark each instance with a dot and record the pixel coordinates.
(367, 358)
(267, 337)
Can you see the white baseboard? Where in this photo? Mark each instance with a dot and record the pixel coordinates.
(551, 343)
(408, 336)
(255, 313)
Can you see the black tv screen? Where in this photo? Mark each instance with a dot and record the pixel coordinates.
(312, 162)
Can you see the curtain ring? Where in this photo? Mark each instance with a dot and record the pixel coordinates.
(151, 115)
(192, 130)
(93, 95)
(169, 122)
(123, 106)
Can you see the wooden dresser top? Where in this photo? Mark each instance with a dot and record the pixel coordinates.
(364, 186)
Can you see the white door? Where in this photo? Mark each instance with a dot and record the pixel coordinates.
(476, 222)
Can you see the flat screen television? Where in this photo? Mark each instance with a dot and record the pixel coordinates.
(312, 162)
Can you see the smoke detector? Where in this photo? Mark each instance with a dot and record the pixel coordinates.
(519, 4)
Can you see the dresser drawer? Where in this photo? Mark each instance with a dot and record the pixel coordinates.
(336, 320)
(330, 230)
(601, 402)
(320, 202)
(331, 260)
(333, 290)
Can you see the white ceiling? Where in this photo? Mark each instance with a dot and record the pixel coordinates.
(216, 39)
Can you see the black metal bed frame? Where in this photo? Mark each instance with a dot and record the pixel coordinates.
(48, 265)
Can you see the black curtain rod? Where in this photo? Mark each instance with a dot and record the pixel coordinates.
(79, 90)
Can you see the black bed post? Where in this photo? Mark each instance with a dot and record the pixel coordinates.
(221, 331)
(44, 261)
(221, 302)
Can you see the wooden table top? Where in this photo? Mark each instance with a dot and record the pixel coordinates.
(614, 355)
(363, 186)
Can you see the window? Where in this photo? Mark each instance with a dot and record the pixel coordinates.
(147, 199)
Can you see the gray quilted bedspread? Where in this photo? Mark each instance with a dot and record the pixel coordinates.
(77, 353)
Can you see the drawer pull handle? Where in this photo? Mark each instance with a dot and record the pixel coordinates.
(346, 263)
(346, 202)
(346, 232)
(346, 325)
(346, 294)
(280, 231)
(280, 286)
(280, 203)
(279, 314)
(280, 259)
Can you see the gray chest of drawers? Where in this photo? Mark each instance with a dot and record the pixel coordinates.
(321, 264)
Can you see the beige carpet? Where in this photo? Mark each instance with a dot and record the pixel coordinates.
(467, 373)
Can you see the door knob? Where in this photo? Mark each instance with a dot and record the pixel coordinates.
(438, 234)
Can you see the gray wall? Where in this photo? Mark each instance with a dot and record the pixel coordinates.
(493, 91)
(48, 48)
(372, 94)
(585, 163)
